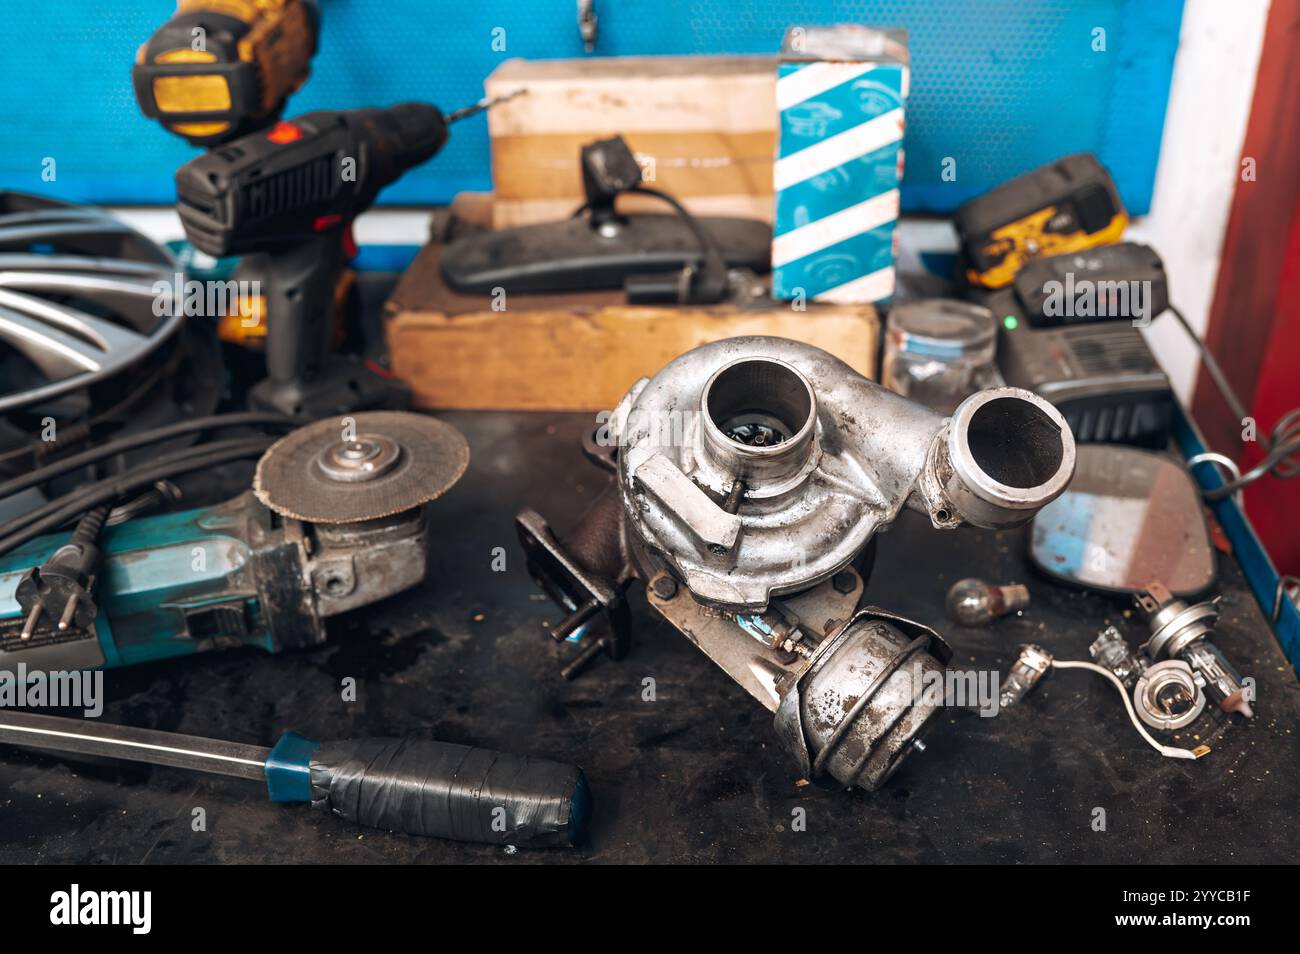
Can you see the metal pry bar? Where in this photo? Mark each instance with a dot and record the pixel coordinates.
(57, 734)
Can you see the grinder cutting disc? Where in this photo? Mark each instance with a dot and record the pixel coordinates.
(360, 467)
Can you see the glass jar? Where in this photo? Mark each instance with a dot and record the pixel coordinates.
(939, 351)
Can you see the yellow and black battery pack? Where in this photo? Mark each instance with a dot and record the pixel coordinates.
(1068, 205)
(219, 69)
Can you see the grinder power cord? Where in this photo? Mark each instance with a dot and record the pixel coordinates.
(749, 477)
(59, 511)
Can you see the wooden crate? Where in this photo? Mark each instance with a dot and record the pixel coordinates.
(703, 127)
(576, 351)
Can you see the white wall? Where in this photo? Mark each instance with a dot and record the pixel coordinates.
(1209, 105)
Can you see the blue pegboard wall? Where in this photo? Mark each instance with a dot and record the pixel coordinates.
(1000, 86)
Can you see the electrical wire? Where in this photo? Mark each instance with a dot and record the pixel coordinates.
(1166, 750)
(141, 439)
(163, 491)
(708, 244)
(1281, 447)
(1283, 592)
(63, 509)
(1224, 461)
(81, 430)
(712, 262)
(1212, 366)
(50, 506)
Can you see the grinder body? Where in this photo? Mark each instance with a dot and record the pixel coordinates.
(214, 578)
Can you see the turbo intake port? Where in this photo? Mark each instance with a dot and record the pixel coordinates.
(760, 417)
(1006, 454)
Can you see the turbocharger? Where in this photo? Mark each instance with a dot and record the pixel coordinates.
(749, 478)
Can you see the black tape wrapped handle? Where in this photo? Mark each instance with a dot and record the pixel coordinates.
(453, 791)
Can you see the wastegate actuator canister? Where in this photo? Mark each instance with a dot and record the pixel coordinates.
(749, 477)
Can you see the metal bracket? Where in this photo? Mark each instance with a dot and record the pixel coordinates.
(598, 612)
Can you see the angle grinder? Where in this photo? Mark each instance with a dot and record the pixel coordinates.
(335, 520)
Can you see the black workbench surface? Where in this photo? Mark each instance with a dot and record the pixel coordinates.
(693, 776)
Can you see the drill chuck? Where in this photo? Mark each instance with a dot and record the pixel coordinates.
(402, 137)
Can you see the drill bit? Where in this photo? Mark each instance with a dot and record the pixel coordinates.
(487, 102)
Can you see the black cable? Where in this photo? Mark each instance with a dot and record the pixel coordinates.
(712, 254)
(90, 525)
(1211, 365)
(82, 429)
(1277, 462)
(132, 441)
(162, 492)
(50, 506)
(1280, 447)
(712, 262)
(110, 489)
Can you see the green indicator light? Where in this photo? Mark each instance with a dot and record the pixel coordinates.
(1010, 323)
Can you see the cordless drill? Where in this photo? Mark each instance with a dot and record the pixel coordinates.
(285, 199)
(219, 69)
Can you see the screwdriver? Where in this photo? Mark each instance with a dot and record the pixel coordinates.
(417, 786)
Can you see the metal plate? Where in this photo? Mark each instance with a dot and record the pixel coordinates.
(823, 609)
(1128, 517)
(291, 481)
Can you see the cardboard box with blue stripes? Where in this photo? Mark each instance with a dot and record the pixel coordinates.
(840, 93)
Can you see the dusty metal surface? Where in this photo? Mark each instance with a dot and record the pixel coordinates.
(818, 459)
(825, 609)
(690, 775)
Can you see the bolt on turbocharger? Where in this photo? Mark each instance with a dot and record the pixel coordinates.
(749, 477)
